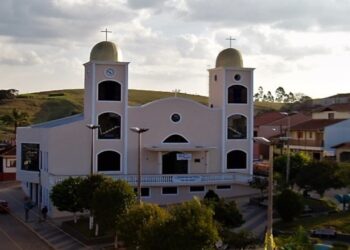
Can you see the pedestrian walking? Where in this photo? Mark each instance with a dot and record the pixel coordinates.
(27, 206)
(44, 212)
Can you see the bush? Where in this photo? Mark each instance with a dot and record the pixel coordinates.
(289, 205)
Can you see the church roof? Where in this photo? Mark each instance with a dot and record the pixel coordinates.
(104, 51)
(59, 122)
(229, 58)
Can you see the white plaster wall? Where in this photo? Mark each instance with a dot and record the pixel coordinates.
(200, 125)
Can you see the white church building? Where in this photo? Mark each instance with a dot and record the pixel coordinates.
(188, 149)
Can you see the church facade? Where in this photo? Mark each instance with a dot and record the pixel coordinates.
(183, 148)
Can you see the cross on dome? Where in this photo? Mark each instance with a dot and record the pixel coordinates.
(106, 31)
(231, 39)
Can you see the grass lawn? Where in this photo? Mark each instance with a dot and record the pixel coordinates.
(339, 221)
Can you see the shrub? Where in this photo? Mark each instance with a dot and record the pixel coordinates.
(289, 205)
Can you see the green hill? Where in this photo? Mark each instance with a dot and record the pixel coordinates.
(50, 105)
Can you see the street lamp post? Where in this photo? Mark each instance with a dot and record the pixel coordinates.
(92, 127)
(269, 236)
(287, 138)
(139, 131)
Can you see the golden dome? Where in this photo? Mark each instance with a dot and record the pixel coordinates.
(104, 51)
(229, 58)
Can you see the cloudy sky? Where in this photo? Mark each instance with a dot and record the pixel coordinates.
(301, 45)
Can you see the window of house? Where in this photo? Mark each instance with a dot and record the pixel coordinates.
(145, 191)
(237, 94)
(109, 91)
(236, 159)
(110, 126)
(223, 187)
(300, 134)
(237, 127)
(175, 139)
(169, 190)
(330, 115)
(11, 163)
(108, 161)
(310, 135)
(30, 156)
(194, 189)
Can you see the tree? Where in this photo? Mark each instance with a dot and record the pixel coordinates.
(191, 227)
(259, 95)
(227, 214)
(15, 118)
(259, 183)
(87, 188)
(139, 228)
(240, 240)
(270, 97)
(65, 196)
(8, 94)
(110, 201)
(211, 196)
(297, 162)
(298, 241)
(289, 205)
(319, 176)
(280, 94)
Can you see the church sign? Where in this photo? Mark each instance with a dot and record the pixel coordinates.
(183, 157)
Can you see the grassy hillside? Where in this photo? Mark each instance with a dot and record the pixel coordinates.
(50, 105)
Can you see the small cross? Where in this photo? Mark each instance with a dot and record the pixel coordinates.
(106, 31)
(231, 39)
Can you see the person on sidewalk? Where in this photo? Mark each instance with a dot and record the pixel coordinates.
(44, 213)
(27, 206)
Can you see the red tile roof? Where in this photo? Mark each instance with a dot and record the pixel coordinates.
(267, 117)
(315, 124)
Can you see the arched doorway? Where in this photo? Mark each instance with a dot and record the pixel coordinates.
(171, 165)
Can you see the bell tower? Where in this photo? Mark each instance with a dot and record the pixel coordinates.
(105, 106)
(231, 89)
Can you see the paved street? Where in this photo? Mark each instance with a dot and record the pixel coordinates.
(14, 235)
(34, 234)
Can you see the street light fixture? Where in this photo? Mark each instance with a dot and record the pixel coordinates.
(92, 127)
(139, 131)
(269, 235)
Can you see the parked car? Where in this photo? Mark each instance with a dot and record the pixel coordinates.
(4, 207)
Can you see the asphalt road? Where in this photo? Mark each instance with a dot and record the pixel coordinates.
(14, 235)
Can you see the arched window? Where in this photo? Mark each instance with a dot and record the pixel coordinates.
(237, 94)
(175, 139)
(110, 126)
(108, 161)
(171, 164)
(109, 91)
(237, 127)
(236, 159)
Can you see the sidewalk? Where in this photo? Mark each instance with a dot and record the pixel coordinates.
(49, 230)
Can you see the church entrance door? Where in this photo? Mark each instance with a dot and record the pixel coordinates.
(171, 165)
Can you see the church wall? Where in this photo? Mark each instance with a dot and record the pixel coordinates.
(69, 149)
(199, 124)
(216, 88)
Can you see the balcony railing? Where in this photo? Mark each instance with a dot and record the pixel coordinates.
(306, 143)
(176, 180)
